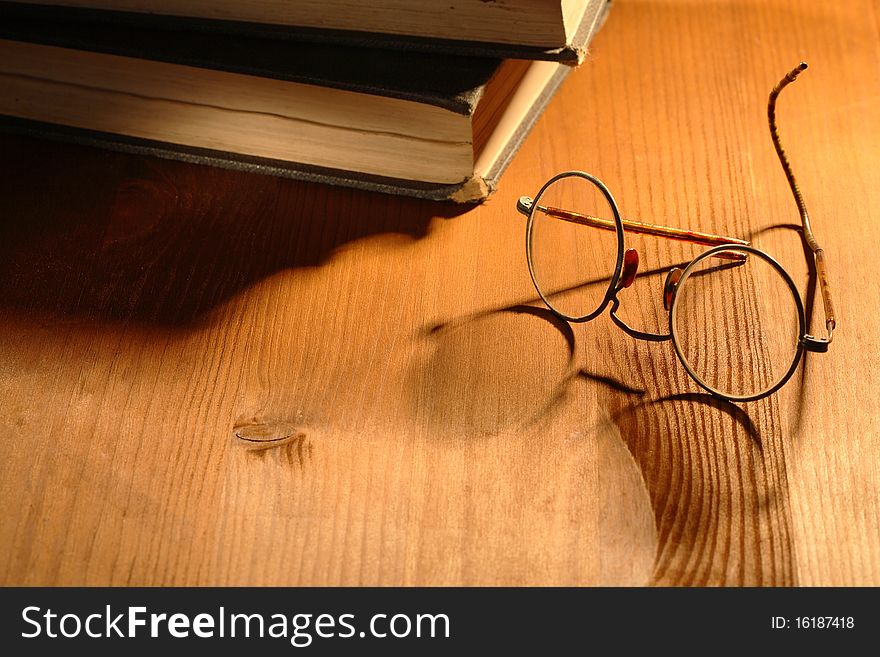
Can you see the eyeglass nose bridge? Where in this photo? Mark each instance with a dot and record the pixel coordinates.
(627, 277)
(629, 330)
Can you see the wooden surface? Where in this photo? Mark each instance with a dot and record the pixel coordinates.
(159, 320)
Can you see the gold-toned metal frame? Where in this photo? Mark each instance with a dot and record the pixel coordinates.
(733, 249)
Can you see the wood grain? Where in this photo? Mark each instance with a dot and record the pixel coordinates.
(209, 377)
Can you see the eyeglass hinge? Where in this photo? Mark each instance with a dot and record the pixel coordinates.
(811, 343)
(524, 205)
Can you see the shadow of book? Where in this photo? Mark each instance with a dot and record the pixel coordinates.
(125, 237)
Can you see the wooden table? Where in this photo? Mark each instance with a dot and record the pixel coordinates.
(160, 319)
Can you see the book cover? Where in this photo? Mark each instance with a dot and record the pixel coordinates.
(517, 30)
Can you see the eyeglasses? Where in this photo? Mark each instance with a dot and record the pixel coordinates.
(735, 316)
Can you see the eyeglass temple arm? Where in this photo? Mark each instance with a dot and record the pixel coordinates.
(818, 253)
(524, 205)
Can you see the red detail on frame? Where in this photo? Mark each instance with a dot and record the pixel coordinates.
(630, 267)
(672, 279)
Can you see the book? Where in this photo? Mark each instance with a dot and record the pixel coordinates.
(428, 125)
(527, 29)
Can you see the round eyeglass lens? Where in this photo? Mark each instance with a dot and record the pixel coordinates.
(736, 324)
(573, 244)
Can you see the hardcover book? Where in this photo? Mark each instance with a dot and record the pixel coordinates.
(424, 124)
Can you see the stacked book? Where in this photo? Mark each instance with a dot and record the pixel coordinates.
(428, 98)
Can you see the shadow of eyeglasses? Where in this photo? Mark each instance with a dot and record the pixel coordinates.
(739, 415)
(556, 392)
(545, 313)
